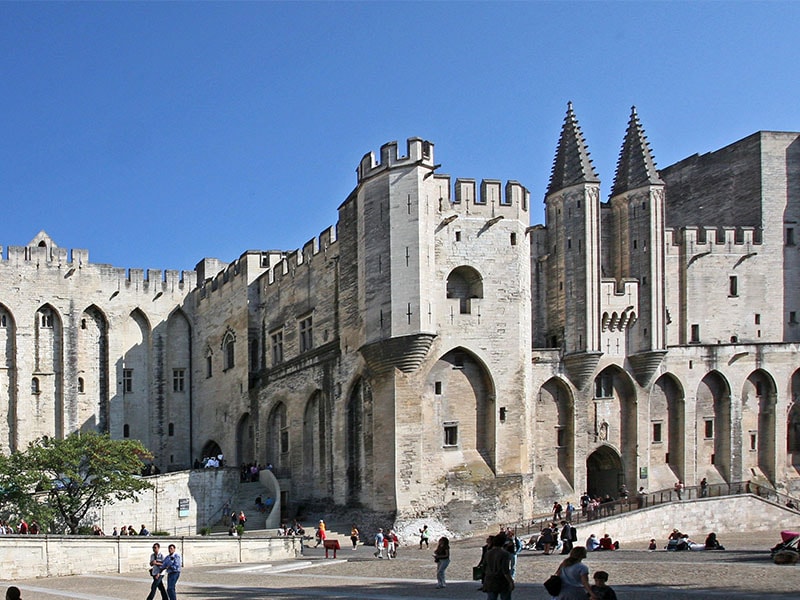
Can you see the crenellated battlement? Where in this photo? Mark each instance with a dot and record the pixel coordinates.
(730, 240)
(418, 151)
(50, 255)
(290, 261)
(489, 198)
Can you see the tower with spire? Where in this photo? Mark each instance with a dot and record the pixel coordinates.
(636, 248)
(568, 251)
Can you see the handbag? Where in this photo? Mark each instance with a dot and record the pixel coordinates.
(477, 573)
(553, 585)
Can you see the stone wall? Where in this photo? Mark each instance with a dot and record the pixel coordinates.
(728, 517)
(26, 556)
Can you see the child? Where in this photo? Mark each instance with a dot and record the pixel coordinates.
(600, 590)
(652, 545)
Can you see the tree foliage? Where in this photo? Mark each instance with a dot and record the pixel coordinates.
(77, 474)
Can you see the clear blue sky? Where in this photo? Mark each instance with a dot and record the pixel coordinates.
(156, 134)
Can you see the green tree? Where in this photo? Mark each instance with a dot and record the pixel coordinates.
(80, 473)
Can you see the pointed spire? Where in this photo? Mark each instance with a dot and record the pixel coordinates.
(635, 167)
(572, 163)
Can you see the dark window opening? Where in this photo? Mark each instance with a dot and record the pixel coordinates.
(451, 434)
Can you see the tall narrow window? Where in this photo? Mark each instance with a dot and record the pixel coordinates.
(656, 433)
(35, 385)
(733, 286)
(695, 339)
(178, 377)
(709, 429)
(127, 381)
(171, 429)
(306, 334)
(792, 317)
(790, 236)
(126, 431)
(209, 370)
(277, 347)
(80, 385)
(228, 350)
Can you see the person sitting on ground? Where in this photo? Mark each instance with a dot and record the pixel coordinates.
(13, 593)
(683, 542)
(600, 589)
(652, 545)
(712, 543)
(592, 543)
(606, 543)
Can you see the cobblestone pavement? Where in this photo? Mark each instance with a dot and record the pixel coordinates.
(743, 572)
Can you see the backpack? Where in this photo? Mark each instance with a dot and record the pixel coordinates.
(573, 534)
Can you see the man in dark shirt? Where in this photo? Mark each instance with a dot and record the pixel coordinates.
(497, 581)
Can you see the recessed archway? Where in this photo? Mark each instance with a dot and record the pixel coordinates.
(604, 472)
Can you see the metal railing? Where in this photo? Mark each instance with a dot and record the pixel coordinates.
(639, 501)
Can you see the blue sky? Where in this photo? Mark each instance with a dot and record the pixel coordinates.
(156, 134)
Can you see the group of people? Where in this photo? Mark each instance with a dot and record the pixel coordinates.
(210, 462)
(23, 528)
(237, 520)
(264, 506)
(553, 537)
(386, 544)
(604, 543)
(161, 566)
(249, 472)
(129, 530)
(678, 541)
(295, 529)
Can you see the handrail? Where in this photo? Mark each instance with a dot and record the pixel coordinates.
(635, 502)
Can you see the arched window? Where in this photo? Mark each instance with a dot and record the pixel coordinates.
(228, 345)
(464, 284)
(35, 385)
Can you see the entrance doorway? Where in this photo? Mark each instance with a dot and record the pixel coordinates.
(604, 473)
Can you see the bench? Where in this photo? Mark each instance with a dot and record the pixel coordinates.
(331, 545)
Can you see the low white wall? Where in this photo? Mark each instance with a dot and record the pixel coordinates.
(26, 556)
(697, 518)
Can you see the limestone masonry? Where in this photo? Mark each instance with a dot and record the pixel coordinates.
(434, 355)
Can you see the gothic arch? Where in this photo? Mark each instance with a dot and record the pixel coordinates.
(359, 442)
(211, 448)
(463, 411)
(245, 453)
(8, 380)
(604, 472)
(134, 379)
(759, 400)
(713, 423)
(316, 419)
(175, 405)
(89, 409)
(615, 417)
(277, 443)
(554, 429)
(49, 370)
(667, 434)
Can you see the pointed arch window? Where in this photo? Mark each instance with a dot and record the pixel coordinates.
(228, 349)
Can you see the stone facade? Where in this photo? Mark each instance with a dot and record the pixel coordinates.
(434, 355)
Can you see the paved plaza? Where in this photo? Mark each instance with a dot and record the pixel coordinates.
(744, 571)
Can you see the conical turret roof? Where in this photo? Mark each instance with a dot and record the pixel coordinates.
(572, 163)
(635, 167)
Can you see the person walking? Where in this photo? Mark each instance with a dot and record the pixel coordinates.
(354, 536)
(423, 537)
(575, 576)
(156, 560)
(172, 565)
(442, 558)
(498, 582)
